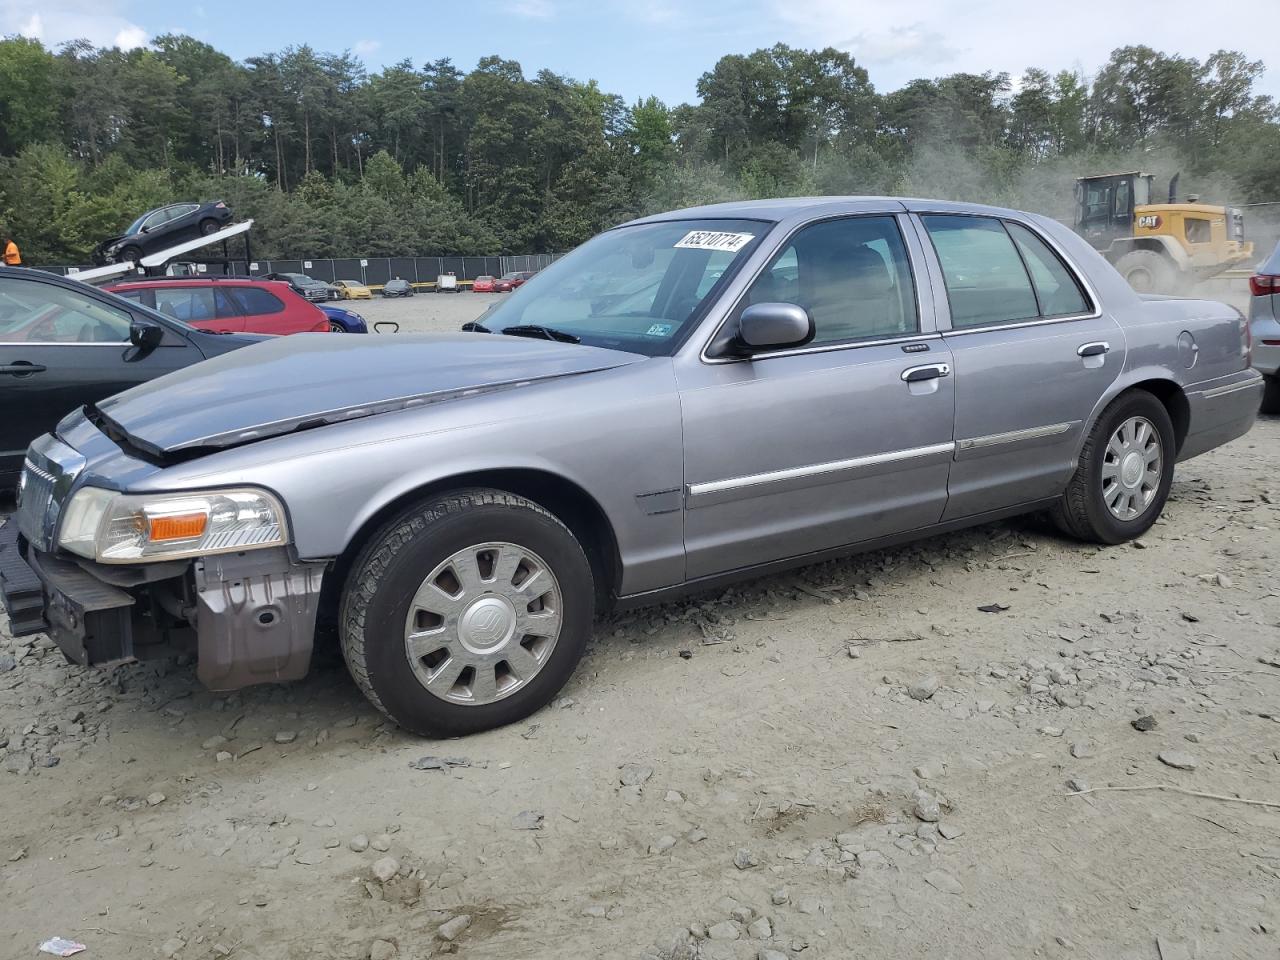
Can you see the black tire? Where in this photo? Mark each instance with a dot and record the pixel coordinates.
(1148, 272)
(130, 253)
(1271, 395)
(208, 226)
(336, 327)
(390, 569)
(1082, 511)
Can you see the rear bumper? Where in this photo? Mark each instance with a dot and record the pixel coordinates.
(1221, 411)
(253, 614)
(1266, 356)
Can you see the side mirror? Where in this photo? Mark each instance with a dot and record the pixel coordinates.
(145, 335)
(774, 326)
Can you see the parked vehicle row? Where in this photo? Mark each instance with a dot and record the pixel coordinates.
(685, 400)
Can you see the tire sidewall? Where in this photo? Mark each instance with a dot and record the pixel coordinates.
(1107, 525)
(390, 674)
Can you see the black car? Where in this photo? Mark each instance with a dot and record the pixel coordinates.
(397, 288)
(157, 229)
(64, 344)
(309, 288)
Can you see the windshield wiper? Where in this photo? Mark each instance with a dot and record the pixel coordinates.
(537, 330)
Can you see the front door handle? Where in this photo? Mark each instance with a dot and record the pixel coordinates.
(930, 371)
(22, 368)
(1095, 349)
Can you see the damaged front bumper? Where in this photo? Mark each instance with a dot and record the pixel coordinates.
(250, 616)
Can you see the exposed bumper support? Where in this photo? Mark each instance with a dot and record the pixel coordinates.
(255, 617)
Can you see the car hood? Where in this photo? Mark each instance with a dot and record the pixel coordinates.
(309, 380)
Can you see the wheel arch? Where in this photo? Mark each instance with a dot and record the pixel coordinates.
(568, 501)
(1160, 385)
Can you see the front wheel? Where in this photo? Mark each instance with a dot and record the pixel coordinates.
(1148, 272)
(1125, 470)
(336, 327)
(468, 611)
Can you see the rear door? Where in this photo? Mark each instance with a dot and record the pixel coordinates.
(1033, 353)
(61, 348)
(264, 312)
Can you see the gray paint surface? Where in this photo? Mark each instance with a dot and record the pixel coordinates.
(777, 456)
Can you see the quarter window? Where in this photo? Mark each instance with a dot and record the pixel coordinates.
(852, 276)
(257, 302)
(1059, 293)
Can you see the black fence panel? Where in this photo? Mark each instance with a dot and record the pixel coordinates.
(319, 270)
(378, 271)
(283, 266)
(428, 268)
(347, 268)
(453, 265)
(404, 268)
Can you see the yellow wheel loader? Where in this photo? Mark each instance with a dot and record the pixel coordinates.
(1158, 247)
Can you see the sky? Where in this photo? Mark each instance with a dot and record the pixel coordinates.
(661, 47)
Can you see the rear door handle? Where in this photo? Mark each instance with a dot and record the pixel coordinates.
(22, 368)
(930, 371)
(1095, 349)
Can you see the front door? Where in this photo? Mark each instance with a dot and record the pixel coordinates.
(1032, 357)
(846, 439)
(59, 350)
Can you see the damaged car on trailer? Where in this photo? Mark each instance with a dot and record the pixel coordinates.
(687, 399)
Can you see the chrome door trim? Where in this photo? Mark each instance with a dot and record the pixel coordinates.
(1228, 388)
(1015, 436)
(825, 348)
(712, 492)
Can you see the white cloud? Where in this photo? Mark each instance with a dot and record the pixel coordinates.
(365, 48)
(129, 36)
(532, 9)
(930, 38)
(101, 22)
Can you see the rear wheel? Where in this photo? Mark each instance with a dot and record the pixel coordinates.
(1271, 394)
(209, 226)
(336, 327)
(1125, 470)
(1148, 272)
(466, 612)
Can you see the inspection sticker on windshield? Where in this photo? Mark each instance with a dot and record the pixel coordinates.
(714, 240)
(659, 330)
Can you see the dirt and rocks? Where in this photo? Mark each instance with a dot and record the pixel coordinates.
(910, 753)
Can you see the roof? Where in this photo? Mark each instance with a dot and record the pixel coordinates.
(783, 208)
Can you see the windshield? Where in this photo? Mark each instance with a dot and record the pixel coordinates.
(635, 288)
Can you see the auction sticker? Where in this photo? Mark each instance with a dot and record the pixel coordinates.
(714, 240)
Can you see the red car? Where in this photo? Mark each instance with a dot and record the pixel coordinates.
(484, 284)
(509, 281)
(227, 304)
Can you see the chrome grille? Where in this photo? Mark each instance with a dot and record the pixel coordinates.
(35, 493)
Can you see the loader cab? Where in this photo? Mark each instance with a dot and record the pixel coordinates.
(1105, 205)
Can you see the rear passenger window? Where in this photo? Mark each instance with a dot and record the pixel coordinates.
(1060, 295)
(226, 306)
(852, 276)
(257, 301)
(986, 281)
(186, 304)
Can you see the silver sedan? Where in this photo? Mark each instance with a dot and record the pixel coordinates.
(687, 399)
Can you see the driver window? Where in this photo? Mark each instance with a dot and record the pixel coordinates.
(34, 312)
(851, 274)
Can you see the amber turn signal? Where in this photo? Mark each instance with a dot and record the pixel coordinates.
(181, 526)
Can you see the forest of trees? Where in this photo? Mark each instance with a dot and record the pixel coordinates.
(332, 159)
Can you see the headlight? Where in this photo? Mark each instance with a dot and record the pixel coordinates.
(130, 528)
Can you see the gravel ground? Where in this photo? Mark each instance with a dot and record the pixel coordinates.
(426, 312)
(850, 760)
